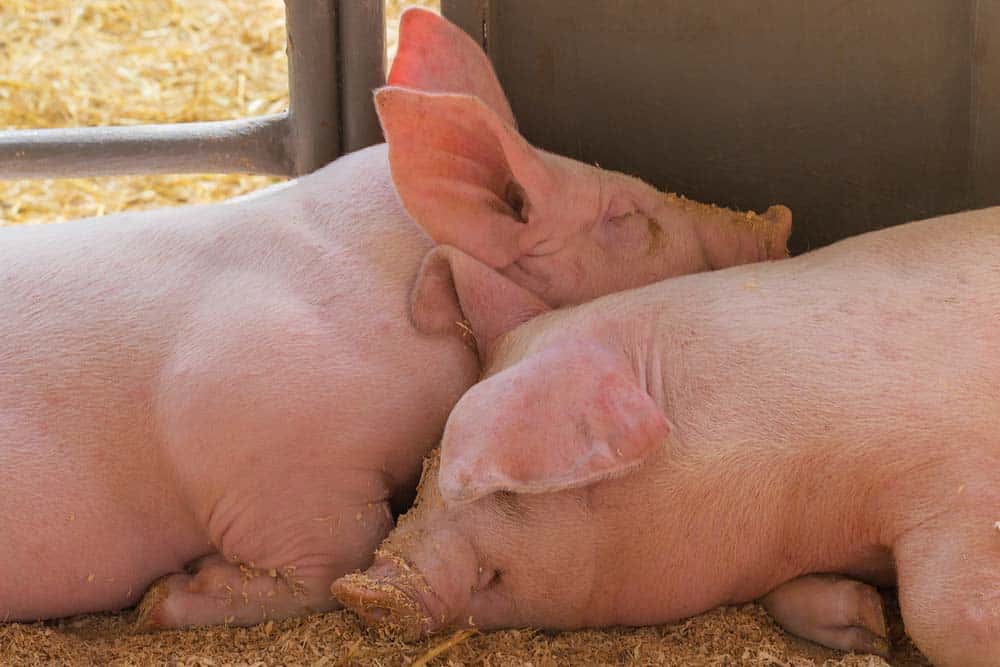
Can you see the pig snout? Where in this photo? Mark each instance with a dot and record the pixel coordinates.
(428, 575)
(390, 595)
(417, 595)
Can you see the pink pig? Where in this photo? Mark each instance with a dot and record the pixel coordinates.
(717, 438)
(234, 395)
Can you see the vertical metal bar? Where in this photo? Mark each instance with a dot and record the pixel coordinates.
(314, 120)
(361, 25)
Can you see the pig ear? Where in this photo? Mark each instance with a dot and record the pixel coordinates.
(436, 56)
(464, 175)
(563, 418)
(452, 286)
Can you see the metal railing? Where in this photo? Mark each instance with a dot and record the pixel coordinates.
(336, 56)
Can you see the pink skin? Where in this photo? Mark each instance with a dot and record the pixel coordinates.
(238, 389)
(717, 438)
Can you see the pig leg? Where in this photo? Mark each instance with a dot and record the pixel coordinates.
(216, 586)
(220, 590)
(949, 590)
(271, 458)
(830, 610)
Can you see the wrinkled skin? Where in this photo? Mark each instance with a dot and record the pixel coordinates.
(234, 395)
(718, 438)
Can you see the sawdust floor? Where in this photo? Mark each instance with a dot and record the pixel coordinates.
(723, 637)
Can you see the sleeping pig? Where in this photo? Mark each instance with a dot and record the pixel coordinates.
(234, 395)
(761, 431)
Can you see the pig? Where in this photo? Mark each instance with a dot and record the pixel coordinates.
(797, 431)
(231, 400)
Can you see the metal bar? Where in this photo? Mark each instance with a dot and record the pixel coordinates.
(254, 145)
(314, 119)
(362, 69)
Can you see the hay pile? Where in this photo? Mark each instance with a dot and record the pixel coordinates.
(104, 62)
(122, 62)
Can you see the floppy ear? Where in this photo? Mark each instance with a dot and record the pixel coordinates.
(565, 417)
(452, 286)
(464, 175)
(436, 56)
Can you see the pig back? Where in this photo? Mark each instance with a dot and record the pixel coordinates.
(886, 338)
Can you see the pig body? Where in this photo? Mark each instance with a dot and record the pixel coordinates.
(234, 395)
(240, 379)
(837, 412)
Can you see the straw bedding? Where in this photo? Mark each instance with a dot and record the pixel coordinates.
(103, 62)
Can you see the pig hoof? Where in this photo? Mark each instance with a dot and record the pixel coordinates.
(833, 611)
(382, 605)
(149, 611)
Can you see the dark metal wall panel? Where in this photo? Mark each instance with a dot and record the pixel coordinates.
(475, 17)
(858, 115)
(985, 164)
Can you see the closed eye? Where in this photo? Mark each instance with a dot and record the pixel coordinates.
(546, 248)
(624, 216)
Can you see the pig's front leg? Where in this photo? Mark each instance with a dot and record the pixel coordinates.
(831, 610)
(219, 590)
(266, 430)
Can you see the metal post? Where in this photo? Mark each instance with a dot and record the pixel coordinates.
(314, 118)
(362, 69)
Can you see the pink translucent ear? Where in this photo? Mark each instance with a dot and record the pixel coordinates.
(435, 56)
(565, 417)
(463, 174)
(452, 286)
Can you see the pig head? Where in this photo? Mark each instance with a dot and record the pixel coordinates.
(531, 441)
(565, 230)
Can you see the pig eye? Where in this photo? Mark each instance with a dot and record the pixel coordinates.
(635, 229)
(515, 197)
